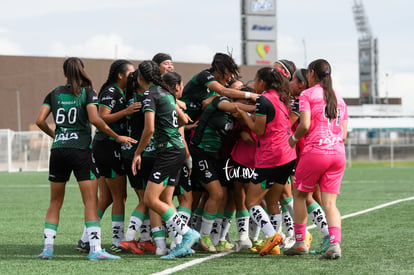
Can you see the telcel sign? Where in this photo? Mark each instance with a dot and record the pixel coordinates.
(260, 28)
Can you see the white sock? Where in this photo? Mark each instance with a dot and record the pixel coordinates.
(159, 237)
(318, 217)
(117, 233)
(243, 227)
(288, 223)
(261, 218)
(276, 221)
(206, 226)
(289, 206)
(216, 230)
(94, 238)
(254, 230)
(85, 237)
(145, 231)
(134, 224)
(184, 213)
(49, 236)
(225, 227)
(175, 223)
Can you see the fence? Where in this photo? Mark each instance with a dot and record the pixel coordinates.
(30, 150)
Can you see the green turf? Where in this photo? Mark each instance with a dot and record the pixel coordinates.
(377, 242)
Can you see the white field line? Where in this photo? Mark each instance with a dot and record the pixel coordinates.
(369, 210)
(200, 260)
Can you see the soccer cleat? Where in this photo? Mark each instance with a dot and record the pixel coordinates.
(190, 238)
(271, 242)
(101, 255)
(257, 245)
(224, 246)
(308, 239)
(323, 247)
(333, 252)
(115, 249)
(47, 254)
(178, 251)
(83, 247)
(242, 244)
(275, 250)
(161, 251)
(147, 246)
(131, 246)
(300, 248)
(206, 244)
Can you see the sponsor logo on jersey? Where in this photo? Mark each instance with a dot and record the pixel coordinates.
(67, 102)
(106, 98)
(66, 137)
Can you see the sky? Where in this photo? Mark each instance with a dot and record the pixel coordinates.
(194, 30)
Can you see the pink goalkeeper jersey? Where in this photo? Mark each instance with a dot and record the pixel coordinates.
(325, 136)
(243, 152)
(273, 148)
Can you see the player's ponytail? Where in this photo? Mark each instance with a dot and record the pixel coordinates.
(322, 71)
(76, 76)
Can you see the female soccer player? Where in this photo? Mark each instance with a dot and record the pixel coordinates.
(214, 125)
(164, 61)
(299, 83)
(162, 121)
(135, 126)
(107, 153)
(210, 82)
(74, 107)
(274, 159)
(323, 123)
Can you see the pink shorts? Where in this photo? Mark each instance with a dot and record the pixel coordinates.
(327, 170)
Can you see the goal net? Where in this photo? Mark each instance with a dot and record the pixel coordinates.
(24, 151)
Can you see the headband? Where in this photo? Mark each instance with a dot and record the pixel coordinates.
(301, 77)
(162, 58)
(285, 69)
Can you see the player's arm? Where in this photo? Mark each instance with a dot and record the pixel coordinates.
(183, 118)
(229, 92)
(303, 128)
(231, 107)
(345, 129)
(293, 117)
(99, 123)
(41, 120)
(146, 136)
(109, 118)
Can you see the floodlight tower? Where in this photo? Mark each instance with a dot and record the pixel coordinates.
(367, 57)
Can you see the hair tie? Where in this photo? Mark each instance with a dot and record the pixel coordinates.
(283, 72)
(284, 67)
(327, 73)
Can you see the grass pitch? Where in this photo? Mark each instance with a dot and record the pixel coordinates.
(377, 242)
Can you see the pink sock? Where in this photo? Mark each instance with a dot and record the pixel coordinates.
(334, 234)
(300, 232)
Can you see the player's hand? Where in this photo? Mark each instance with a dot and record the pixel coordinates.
(126, 140)
(292, 143)
(133, 108)
(136, 163)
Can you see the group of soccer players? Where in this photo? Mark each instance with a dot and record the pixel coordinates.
(221, 146)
